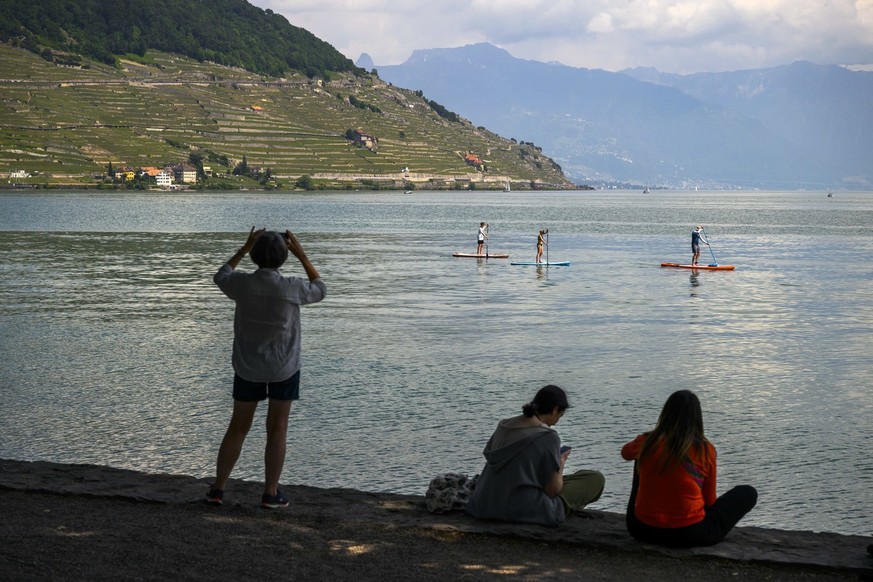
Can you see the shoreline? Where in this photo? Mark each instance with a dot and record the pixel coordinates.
(342, 187)
(66, 521)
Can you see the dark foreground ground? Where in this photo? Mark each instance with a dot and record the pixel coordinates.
(78, 522)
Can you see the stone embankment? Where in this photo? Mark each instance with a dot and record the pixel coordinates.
(827, 552)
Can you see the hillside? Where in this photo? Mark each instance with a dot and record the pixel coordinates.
(228, 32)
(66, 124)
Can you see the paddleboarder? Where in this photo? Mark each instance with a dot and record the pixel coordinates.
(696, 239)
(483, 236)
(541, 244)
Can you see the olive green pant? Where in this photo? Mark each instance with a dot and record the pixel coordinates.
(580, 489)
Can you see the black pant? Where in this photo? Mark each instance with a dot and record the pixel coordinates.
(720, 518)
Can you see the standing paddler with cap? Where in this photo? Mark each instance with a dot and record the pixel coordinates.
(696, 239)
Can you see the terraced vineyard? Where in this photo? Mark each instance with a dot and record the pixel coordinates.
(65, 125)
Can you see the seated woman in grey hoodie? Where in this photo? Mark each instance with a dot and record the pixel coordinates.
(523, 479)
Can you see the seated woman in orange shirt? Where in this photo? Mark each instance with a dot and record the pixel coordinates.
(673, 500)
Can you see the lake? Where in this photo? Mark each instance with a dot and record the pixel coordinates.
(116, 344)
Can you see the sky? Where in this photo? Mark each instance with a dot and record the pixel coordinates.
(674, 36)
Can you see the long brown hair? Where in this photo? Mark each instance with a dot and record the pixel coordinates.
(680, 428)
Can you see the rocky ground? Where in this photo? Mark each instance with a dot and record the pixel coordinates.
(77, 522)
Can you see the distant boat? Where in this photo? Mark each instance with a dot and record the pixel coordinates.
(646, 189)
(408, 192)
(830, 194)
(507, 188)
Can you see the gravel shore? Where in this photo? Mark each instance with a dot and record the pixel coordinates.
(78, 522)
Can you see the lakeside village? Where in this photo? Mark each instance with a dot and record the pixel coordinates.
(173, 176)
(176, 176)
(194, 174)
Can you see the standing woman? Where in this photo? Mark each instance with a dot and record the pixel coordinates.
(266, 351)
(541, 243)
(523, 479)
(673, 500)
(482, 237)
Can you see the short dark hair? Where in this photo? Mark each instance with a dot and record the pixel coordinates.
(270, 250)
(546, 400)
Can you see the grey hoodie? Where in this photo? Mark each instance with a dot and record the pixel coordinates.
(520, 460)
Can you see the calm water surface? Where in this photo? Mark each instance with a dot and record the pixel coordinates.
(116, 344)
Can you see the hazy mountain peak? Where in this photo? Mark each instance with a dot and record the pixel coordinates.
(365, 62)
(482, 53)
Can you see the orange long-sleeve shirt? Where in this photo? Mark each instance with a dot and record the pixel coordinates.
(676, 497)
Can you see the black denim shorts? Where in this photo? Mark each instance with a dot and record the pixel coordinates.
(246, 391)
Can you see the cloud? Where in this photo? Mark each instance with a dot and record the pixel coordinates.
(602, 23)
(672, 35)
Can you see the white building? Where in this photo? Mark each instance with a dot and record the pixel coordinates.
(18, 174)
(164, 179)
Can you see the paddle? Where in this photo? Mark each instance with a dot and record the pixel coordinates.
(547, 247)
(714, 262)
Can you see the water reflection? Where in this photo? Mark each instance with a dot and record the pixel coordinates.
(414, 355)
(694, 280)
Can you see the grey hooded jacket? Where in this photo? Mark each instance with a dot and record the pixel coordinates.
(520, 460)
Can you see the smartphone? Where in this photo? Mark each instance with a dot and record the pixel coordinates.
(565, 448)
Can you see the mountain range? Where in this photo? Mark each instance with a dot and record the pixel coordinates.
(108, 80)
(799, 126)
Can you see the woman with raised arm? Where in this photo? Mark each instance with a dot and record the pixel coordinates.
(266, 351)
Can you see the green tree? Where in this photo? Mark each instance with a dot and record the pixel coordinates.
(242, 168)
(305, 183)
(196, 160)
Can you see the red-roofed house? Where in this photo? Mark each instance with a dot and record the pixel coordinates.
(473, 160)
